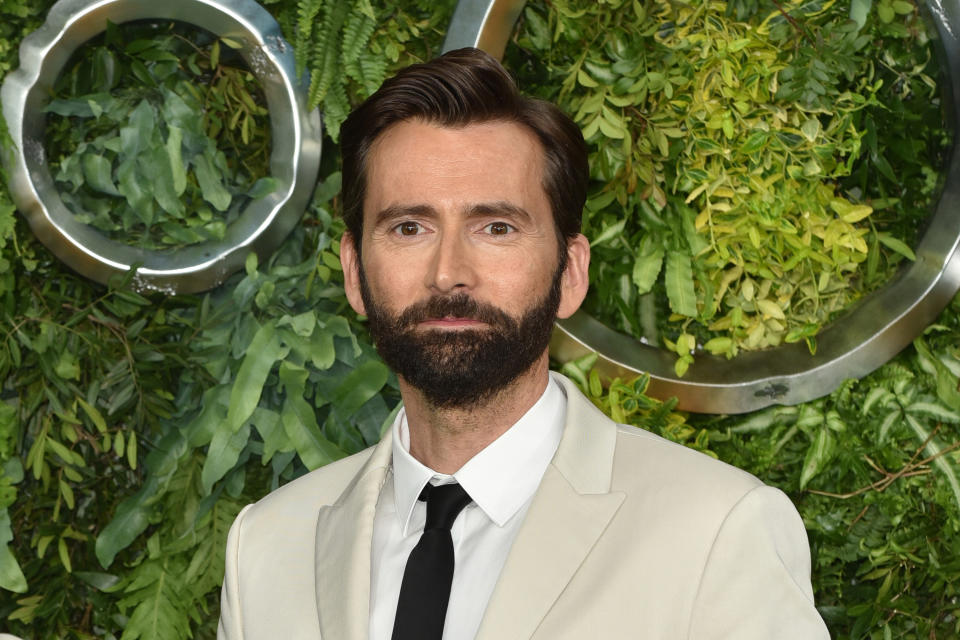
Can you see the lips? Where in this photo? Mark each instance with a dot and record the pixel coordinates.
(451, 322)
(451, 312)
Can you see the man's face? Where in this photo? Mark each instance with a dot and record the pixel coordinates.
(460, 277)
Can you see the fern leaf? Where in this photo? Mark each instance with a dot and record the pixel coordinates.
(162, 606)
(368, 71)
(307, 11)
(326, 53)
(335, 110)
(356, 35)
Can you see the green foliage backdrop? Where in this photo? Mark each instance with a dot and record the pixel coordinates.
(133, 428)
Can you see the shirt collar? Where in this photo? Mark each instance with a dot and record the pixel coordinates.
(503, 476)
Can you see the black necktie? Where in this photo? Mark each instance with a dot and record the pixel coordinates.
(425, 589)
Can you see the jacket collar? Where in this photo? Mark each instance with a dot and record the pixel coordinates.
(343, 543)
(569, 512)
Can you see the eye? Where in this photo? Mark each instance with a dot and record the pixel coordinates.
(408, 228)
(498, 228)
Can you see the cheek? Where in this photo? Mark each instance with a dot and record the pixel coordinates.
(391, 285)
(520, 280)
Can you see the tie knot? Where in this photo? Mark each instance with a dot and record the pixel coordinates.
(444, 504)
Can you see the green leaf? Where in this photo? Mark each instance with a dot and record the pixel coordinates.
(942, 463)
(98, 580)
(263, 187)
(897, 245)
(225, 449)
(859, 10)
(95, 416)
(211, 182)
(97, 171)
(609, 232)
(679, 283)
(271, 431)
(264, 350)
(11, 576)
(646, 268)
(64, 554)
(179, 172)
(300, 421)
(156, 164)
(811, 129)
(932, 410)
(130, 520)
(359, 386)
(947, 389)
(141, 125)
(132, 449)
(818, 455)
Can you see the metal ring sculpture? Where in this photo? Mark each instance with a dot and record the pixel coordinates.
(294, 159)
(864, 338)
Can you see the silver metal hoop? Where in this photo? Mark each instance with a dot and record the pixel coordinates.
(864, 338)
(261, 226)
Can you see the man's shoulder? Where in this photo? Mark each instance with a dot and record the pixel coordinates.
(645, 462)
(642, 455)
(662, 477)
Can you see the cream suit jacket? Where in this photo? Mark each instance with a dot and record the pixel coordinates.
(628, 536)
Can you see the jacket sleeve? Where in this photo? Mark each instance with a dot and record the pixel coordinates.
(756, 581)
(231, 626)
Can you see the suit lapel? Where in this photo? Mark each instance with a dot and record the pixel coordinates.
(344, 536)
(569, 512)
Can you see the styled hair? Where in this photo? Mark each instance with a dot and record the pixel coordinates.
(463, 87)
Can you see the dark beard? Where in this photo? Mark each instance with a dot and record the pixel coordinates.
(461, 368)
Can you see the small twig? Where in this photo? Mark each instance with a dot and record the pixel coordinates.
(860, 515)
(793, 22)
(910, 469)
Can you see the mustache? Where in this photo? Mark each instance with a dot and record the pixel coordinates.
(457, 306)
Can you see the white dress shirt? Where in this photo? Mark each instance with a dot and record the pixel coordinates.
(501, 479)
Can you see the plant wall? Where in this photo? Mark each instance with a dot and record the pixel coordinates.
(134, 427)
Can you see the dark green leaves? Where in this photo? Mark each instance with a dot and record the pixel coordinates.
(141, 155)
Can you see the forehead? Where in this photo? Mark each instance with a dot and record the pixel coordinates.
(415, 162)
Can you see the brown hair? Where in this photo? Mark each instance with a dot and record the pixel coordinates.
(459, 88)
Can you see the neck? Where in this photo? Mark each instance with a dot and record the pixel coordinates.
(444, 439)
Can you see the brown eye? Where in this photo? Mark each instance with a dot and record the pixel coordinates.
(498, 228)
(409, 228)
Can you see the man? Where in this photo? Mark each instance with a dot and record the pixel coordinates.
(462, 201)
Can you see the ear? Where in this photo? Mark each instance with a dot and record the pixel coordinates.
(575, 281)
(350, 262)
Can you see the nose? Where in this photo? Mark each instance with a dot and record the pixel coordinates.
(451, 269)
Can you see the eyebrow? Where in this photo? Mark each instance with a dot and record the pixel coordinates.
(480, 209)
(499, 208)
(397, 211)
